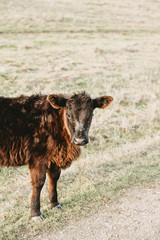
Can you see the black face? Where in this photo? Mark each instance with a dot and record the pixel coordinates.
(79, 112)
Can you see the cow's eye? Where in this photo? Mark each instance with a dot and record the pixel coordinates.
(68, 115)
(90, 118)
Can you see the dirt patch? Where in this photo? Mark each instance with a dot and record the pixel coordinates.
(134, 216)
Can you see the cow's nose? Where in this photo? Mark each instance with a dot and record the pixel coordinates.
(80, 141)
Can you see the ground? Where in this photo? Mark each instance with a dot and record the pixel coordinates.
(136, 215)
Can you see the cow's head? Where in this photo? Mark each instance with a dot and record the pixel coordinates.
(78, 113)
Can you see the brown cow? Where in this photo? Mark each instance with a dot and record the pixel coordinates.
(45, 132)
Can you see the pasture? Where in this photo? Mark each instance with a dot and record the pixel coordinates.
(102, 47)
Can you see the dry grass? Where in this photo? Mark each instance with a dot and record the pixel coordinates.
(103, 47)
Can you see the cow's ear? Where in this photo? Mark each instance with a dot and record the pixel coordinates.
(102, 102)
(57, 101)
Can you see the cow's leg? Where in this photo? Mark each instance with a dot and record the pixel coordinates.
(38, 176)
(53, 175)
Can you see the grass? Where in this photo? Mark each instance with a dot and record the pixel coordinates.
(87, 190)
(100, 47)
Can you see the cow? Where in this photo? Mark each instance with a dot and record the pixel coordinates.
(45, 132)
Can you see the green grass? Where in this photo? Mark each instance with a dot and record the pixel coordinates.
(103, 48)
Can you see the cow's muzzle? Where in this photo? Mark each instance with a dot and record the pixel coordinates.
(80, 141)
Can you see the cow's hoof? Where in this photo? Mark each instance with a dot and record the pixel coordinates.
(38, 218)
(58, 206)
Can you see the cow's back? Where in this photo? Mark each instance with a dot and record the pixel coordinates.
(19, 120)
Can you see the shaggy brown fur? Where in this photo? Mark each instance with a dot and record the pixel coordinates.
(37, 131)
(31, 128)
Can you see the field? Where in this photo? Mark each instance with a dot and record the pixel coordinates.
(102, 47)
